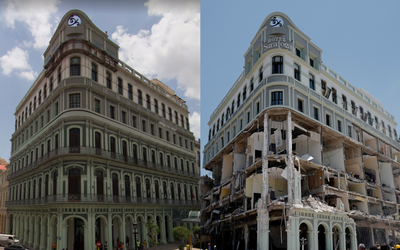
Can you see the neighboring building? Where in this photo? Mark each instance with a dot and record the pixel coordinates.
(97, 147)
(298, 153)
(197, 149)
(3, 195)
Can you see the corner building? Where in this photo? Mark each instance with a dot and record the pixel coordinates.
(97, 146)
(299, 156)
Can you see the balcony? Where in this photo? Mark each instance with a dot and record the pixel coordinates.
(100, 153)
(96, 198)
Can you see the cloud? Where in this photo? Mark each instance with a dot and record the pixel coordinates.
(36, 15)
(171, 49)
(16, 60)
(194, 120)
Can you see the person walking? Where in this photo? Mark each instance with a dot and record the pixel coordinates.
(209, 246)
(105, 246)
(145, 244)
(54, 245)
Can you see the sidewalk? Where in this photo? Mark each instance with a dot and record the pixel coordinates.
(169, 246)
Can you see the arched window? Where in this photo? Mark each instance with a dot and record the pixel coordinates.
(161, 159)
(134, 151)
(144, 155)
(74, 140)
(156, 187)
(148, 193)
(244, 93)
(75, 66)
(277, 65)
(179, 191)
(238, 100)
(312, 84)
(55, 175)
(100, 185)
(74, 184)
(115, 187)
(228, 110)
(127, 186)
(153, 156)
(138, 187)
(297, 71)
(172, 191)
(112, 147)
(125, 150)
(169, 161)
(233, 106)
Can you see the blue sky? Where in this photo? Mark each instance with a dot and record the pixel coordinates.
(159, 38)
(358, 38)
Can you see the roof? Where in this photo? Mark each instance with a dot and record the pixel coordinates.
(3, 167)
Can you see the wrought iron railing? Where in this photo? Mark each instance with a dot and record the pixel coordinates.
(97, 198)
(100, 153)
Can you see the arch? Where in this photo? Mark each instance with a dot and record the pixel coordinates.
(305, 232)
(116, 230)
(79, 225)
(336, 236)
(78, 139)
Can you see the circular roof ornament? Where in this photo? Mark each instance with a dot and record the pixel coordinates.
(74, 21)
(276, 22)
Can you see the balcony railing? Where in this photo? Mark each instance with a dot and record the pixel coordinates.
(97, 198)
(67, 151)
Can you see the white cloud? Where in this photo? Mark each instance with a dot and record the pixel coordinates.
(36, 15)
(16, 60)
(171, 49)
(194, 120)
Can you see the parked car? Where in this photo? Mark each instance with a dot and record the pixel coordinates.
(16, 247)
(8, 239)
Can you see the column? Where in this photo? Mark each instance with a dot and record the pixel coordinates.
(170, 236)
(123, 238)
(109, 231)
(246, 236)
(51, 237)
(315, 235)
(64, 235)
(14, 228)
(310, 236)
(162, 231)
(353, 240)
(36, 234)
(342, 240)
(329, 242)
(87, 243)
(8, 224)
(31, 232)
(43, 235)
(25, 231)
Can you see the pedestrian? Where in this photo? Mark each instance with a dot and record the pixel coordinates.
(127, 241)
(145, 244)
(215, 247)
(54, 245)
(385, 247)
(209, 246)
(361, 247)
(121, 246)
(138, 244)
(105, 246)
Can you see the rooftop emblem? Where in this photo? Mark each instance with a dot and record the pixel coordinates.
(276, 22)
(74, 21)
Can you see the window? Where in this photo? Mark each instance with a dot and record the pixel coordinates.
(174, 138)
(334, 97)
(51, 84)
(148, 102)
(170, 114)
(120, 87)
(257, 107)
(75, 66)
(300, 105)
(112, 112)
(222, 120)
(134, 122)
(56, 109)
(240, 124)
(74, 100)
(176, 117)
(182, 123)
(316, 115)
(108, 80)
(30, 108)
(260, 74)
(376, 122)
(277, 65)
(180, 141)
(297, 72)
(248, 117)
(298, 52)
(370, 121)
(34, 103)
(362, 113)
(339, 125)
(244, 93)
(59, 75)
(238, 100)
(167, 135)
(160, 132)
(277, 98)
(251, 84)
(97, 105)
(344, 102)
(123, 117)
(94, 72)
(328, 120)
(130, 92)
(144, 125)
(152, 129)
(156, 106)
(163, 109)
(312, 62)
(140, 100)
(349, 131)
(383, 127)
(312, 85)
(44, 91)
(353, 108)
(233, 106)
(40, 97)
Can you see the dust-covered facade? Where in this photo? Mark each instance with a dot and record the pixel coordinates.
(299, 156)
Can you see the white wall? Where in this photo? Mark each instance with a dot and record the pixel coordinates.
(227, 167)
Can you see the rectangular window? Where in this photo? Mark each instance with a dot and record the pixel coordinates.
(180, 141)
(97, 105)
(94, 72)
(182, 123)
(339, 125)
(174, 138)
(51, 84)
(277, 65)
(74, 100)
(45, 91)
(148, 102)
(248, 117)
(140, 99)
(349, 131)
(40, 97)
(48, 115)
(176, 117)
(312, 62)
(240, 124)
(120, 87)
(300, 105)
(163, 109)
(312, 83)
(134, 122)
(328, 120)
(152, 129)
(130, 92)
(112, 112)
(316, 115)
(297, 72)
(170, 114)
(144, 125)
(75, 66)
(260, 75)
(156, 106)
(187, 123)
(334, 96)
(298, 52)
(344, 102)
(123, 117)
(56, 109)
(257, 107)
(167, 135)
(108, 80)
(160, 132)
(59, 75)
(186, 143)
(277, 98)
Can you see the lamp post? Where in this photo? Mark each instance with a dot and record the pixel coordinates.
(135, 233)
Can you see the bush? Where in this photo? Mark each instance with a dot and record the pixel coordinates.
(181, 233)
(181, 247)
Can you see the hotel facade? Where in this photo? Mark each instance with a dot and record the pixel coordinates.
(98, 147)
(298, 155)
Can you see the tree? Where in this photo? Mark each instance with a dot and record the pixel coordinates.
(153, 230)
(181, 233)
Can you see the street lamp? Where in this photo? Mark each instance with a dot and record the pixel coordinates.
(135, 233)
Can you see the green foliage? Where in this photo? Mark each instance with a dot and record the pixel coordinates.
(181, 233)
(181, 247)
(196, 231)
(152, 230)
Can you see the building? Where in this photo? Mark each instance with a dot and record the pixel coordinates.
(3, 194)
(97, 147)
(299, 156)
